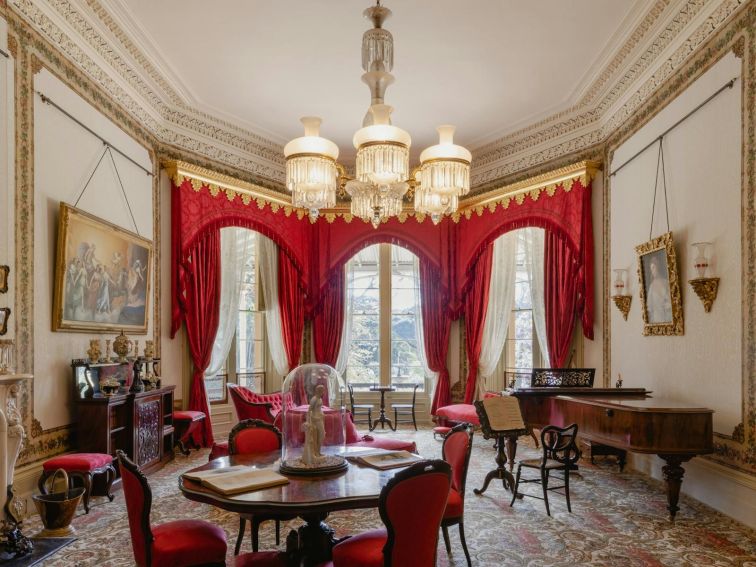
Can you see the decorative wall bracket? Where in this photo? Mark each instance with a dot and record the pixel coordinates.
(706, 290)
(623, 304)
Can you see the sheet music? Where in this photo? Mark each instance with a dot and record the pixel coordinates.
(503, 413)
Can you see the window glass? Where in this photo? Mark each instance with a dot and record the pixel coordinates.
(393, 309)
(521, 346)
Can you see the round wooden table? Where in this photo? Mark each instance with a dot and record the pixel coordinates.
(382, 417)
(310, 498)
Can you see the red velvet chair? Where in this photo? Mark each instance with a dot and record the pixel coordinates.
(411, 506)
(183, 543)
(248, 437)
(456, 451)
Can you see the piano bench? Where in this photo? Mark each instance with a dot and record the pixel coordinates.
(599, 450)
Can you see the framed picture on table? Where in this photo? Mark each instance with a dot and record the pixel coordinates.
(103, 276)
(661, 300)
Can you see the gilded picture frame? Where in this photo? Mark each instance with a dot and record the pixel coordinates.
(5, 314)
(4, 273)
(660, 295)
(103, 276)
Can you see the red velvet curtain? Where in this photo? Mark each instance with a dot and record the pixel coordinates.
(329, 320)
(562, 296)
(291, 302)
(202, 307)
(476, 303)
(434, 305)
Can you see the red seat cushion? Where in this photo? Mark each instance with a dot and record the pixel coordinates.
(442, 430)
(454, 505)
(385, 443)
(460, 413)
(219, 450)
(81, 462)
(188, 542)
(188, 415)
(261, 559)
(365, 549)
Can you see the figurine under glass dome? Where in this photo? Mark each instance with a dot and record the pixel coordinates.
(313, 421)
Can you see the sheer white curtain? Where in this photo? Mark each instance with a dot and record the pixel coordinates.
(534, 251)
(419, 335)
(237, 244)
(268, 266)
(346, 327)
(500, 298)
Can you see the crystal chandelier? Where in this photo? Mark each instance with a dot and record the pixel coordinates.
(382, 173)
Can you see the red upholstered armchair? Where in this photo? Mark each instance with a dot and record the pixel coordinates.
(251, 405)
(411, 506)
(183, 543)
(456, 451)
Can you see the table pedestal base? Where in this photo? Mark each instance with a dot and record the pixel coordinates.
(504, 442)
(311, 543)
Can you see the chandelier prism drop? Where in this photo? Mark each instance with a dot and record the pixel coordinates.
(382, 173)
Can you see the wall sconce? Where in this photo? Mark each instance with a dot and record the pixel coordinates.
(705, 288)
(620, 298)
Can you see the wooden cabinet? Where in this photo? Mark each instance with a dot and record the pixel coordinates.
(140, 424)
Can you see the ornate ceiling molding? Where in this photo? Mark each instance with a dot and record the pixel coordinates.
(94, 38)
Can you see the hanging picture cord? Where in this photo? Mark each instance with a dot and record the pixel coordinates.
(109, 151)
(47, 100)
(659, 160)
(728, 85)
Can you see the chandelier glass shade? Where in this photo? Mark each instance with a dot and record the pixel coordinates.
(382, 171)
(311, 172)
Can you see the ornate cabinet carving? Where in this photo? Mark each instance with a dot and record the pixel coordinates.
(140, 424)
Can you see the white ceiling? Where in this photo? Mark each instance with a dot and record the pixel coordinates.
(487, 66)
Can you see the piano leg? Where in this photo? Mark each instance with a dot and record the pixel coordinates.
(673, 475)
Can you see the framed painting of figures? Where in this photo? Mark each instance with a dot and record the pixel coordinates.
(102, 275)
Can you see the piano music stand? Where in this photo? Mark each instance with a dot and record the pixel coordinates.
(506, 438)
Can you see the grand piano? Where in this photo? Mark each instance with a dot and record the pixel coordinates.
(629, 419)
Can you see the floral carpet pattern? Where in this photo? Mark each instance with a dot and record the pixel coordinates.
(618, 519)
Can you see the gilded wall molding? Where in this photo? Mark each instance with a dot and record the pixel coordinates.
(739, 449)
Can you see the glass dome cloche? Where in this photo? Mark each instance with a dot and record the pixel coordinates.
(313, 421)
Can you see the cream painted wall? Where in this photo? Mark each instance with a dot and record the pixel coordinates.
(703, 367)
(65, 155)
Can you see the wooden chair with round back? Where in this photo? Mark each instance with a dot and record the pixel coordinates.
(560, 453)
(249, 437)
(456, 451)
(183, 543)
(411, 507)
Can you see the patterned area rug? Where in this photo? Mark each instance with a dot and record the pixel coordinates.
(617, 520)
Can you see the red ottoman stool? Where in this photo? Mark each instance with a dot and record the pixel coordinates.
(186, 423)
(83, 466)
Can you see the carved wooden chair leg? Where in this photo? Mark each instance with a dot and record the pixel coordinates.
(464, 543)
(516, 486)
(278, 532)
(240, 537)
(86, 478)
(414, 421)
(445, 532)
(111, 474)
(545, 483)
(255, 534)
(567, 489)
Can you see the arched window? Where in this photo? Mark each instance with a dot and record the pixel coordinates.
(383, 334)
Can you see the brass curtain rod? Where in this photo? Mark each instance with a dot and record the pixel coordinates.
(727, 85)
(47, 100)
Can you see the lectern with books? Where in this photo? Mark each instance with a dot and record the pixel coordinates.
(500, 419)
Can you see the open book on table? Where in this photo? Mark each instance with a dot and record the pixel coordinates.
(383, 459)
(237, 479)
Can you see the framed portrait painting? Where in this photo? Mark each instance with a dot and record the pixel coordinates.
(102, 275)
(661, 301)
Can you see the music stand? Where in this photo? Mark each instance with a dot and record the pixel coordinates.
(504, 437)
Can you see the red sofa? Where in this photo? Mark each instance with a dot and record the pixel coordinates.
(460, 413)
